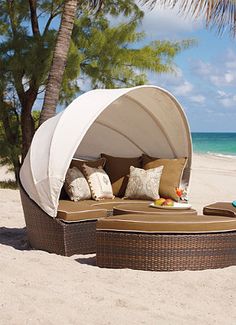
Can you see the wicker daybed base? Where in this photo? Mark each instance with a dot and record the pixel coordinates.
(165, 251)
(60, 237)
(54, 235)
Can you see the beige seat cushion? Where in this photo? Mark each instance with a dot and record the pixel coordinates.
(90, 209)
(171, 174)
(167, 224)
(79, 211)
(117, 169)
(221, 209)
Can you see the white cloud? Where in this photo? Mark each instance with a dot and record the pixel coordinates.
(202, 68)
(221, 93)
(229, 77)
(179, 86)
(230, 62)
(167, 22)
(227, 100)
(219, 78)
(221, 72)
(167, 80)
(198, 99)
(183, 88)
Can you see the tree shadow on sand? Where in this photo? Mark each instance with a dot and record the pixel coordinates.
(14, 237)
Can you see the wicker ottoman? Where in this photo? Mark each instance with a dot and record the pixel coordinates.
(166, 243)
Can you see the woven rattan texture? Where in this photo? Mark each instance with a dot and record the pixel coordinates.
(163, 252)
(55, 236)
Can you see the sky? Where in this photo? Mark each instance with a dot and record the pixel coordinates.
(205, 78)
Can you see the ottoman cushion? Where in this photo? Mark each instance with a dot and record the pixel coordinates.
(221, 209)
(167, 224)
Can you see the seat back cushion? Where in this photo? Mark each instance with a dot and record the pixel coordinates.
(91, 163)
(118, 169)
(171, 175)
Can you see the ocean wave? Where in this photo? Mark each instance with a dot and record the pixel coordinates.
(216, 154)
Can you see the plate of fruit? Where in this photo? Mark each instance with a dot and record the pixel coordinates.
(162, 203)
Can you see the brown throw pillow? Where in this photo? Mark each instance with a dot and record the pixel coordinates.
(78, 163)
(171, 174)
(117, 169)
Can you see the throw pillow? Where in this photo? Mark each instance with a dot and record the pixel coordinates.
(99, 183)
(76, 185)
(171, 175)
(118, 169)
(91, 163)
(144, 184)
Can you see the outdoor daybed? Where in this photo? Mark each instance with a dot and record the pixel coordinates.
(131, 122)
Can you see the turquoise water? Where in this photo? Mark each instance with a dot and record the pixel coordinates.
(214, 143)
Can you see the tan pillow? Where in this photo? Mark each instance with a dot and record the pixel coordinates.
(91, 163)
(171, 174)
(117, 169)
(76, 185)
(99, 183)
(144, 184)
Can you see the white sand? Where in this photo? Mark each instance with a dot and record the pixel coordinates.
(5, 174)
(41, 288)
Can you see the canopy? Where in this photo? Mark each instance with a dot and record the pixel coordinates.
(120, 122)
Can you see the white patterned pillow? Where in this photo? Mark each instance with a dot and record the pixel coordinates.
(144, 184)
(76, 185)
(99, 182)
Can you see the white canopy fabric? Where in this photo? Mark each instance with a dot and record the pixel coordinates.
(120, 122)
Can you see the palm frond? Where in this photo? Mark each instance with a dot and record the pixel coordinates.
(219, 13)
(96, 4)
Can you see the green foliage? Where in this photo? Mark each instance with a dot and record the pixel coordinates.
(103, 52)
(9, 135)
(10, 138)
(9, 184)
(108, 56)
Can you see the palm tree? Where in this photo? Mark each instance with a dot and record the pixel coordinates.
(60, 57)
(220, 13)
(59, 60)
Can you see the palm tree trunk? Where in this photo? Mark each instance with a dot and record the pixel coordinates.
(59, 61)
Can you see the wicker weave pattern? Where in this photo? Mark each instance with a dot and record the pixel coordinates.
(162, 252)
(55, 236)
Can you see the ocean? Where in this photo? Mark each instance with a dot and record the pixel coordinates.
(219, 144)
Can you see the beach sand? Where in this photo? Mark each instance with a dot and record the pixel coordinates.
(41, 288)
